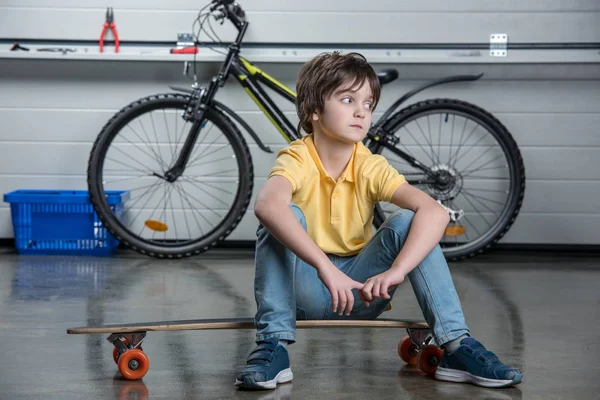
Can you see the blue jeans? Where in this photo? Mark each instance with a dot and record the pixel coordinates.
(286, 288)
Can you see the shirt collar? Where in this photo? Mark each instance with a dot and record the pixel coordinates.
(347, 175)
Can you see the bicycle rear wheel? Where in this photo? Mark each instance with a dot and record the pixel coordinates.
(480, 161)
(170, 219)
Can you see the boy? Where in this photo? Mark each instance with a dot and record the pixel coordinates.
(316, 254)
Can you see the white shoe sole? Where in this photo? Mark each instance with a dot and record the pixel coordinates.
(455, 375)
(283, 376)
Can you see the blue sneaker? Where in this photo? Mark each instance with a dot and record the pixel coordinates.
(471, 362)
(267, 365)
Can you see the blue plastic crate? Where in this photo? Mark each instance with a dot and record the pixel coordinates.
(50, 222)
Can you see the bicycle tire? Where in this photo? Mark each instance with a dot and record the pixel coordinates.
(509, 148)
(168, 250)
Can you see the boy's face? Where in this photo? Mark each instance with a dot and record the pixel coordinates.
(346, 115)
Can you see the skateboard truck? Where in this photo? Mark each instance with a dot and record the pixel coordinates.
(126, 341)
(420, 337)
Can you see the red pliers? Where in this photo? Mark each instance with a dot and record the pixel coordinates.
(109, 24)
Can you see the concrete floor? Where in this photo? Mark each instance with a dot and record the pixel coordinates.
(537, 312)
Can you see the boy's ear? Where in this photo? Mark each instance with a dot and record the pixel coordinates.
(315, 116)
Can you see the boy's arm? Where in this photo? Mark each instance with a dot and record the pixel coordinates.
(427, 228)
(273, 211)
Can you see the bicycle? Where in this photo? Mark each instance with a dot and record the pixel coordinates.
(453, 175)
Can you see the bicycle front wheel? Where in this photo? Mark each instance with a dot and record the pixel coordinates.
(478, 171)
(184, 217)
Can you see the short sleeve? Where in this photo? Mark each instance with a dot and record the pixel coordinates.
(381, 178)
(291, 164)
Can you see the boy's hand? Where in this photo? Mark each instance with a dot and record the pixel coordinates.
(340, 286)
(378, 285)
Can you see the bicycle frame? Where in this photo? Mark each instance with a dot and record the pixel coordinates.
(249, 77)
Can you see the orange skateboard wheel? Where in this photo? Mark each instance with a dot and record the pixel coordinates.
(407, 350)
(133, 364)
(429, 359)
(116, 352)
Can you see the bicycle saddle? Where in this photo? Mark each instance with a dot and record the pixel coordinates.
(387, 76)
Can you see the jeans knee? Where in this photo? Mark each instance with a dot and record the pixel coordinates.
(299, 214)
(399, 221)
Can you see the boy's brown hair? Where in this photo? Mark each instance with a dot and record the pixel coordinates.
(324, 74)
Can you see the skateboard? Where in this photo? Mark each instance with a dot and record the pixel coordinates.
(416, 348)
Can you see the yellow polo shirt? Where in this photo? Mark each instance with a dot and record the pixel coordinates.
(339, 215)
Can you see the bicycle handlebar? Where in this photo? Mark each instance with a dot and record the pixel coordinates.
(229, 10)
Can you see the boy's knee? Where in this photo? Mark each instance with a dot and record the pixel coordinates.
(297, 211)
(299, 214)
(399, 221)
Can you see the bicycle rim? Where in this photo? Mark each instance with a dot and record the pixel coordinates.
(476, 153)
(170, 219)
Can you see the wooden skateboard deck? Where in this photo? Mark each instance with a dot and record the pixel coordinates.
(133, 363)
(241, 323)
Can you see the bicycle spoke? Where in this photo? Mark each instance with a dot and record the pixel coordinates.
(149, 143)
(126, 179)
(214, 187)
(460, 145)
(225, 176)
(460, 141)
(127, 165)
(216, 198)
(467, 152)
(486, 190)
(193, 160)
(199, 146)
(142, 208)
(440, 135)
(210, 161)
(157, 142)
(160, 217)
(153, 211)
(478, 212)
(481, 155)
(164, 113)
(183, 196)
(180, 190)
(484, 198)
(451, 134)
(183, 208)
(140, 149)
(411, 135)
(179, 135)
(203, 205)
(173, 214)
(484, 169)
(429, 143)
(466, 171)
(143, 187)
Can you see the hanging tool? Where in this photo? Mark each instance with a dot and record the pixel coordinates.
(184, 50)
(63, 50)
(109, 24)
(17, 46)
